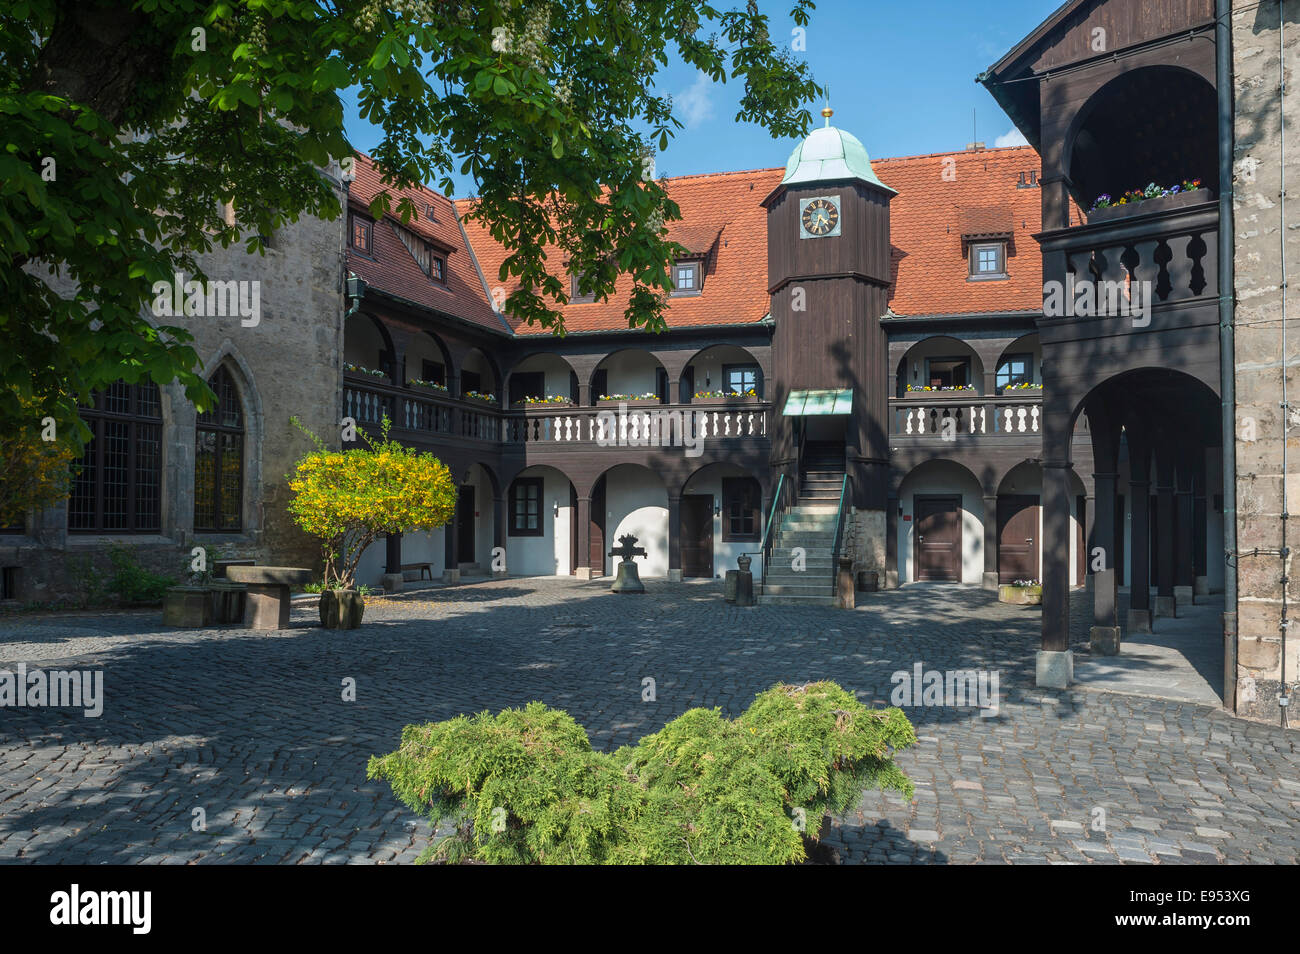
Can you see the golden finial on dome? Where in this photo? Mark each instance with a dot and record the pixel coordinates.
(826, 110)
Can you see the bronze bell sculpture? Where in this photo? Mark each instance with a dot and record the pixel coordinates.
(628, 580)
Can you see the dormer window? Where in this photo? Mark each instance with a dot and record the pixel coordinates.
(686, 278)
(575, 296)
(436, 267)
(988, 260)
(359, 234)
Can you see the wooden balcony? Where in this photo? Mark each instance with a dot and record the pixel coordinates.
(926, 416)
(1170, 245)
(419, 415)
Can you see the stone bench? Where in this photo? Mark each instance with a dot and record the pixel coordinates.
(268, 593)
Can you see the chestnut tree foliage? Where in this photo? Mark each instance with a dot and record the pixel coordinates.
(131, 124)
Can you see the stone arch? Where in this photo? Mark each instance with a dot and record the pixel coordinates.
(910, 368)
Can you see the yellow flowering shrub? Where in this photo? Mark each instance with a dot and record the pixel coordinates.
(34, 472)
(351, 498)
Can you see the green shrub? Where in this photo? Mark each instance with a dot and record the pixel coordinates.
(132, 583)
(525, 786)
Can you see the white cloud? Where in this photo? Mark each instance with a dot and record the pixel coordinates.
(1012, 138)
(695, 105)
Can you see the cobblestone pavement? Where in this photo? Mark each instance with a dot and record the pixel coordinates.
(251, 727)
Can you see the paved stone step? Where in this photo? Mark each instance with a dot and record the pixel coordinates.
(770, 600)
(824, 524)
(798, 589)
(817, 508)
(813, 556)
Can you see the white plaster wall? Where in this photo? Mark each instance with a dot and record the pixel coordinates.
(945, 479)
(555, 372)
(362, 343)
(422, 348)
(708, 365)
(637, 503)
(725, 554)
(547, 555)
(419, 546)
(938, 348)
(629, 372)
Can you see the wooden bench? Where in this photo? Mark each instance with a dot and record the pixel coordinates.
(422, 567)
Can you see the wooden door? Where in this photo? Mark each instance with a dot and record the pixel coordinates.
(465, 525)
(1017, 537)
(938, 538)
(597, 552)
(697, 535)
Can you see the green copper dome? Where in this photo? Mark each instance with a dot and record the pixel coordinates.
(830, 155)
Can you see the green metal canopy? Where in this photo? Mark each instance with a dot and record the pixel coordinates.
(809, 403)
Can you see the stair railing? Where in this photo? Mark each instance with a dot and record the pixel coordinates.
(771, 523)
(839, 527)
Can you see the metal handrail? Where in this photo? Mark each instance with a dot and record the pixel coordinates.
(771, 521)
(839, 525)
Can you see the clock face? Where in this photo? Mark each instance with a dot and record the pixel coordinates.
(819, 217)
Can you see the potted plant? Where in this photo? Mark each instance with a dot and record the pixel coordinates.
(351, 498)
(1153, 198)
(1021, 593)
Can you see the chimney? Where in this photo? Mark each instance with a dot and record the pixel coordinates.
(974, 147)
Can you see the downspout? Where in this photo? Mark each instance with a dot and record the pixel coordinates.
(1227, 354)
(1283, 696)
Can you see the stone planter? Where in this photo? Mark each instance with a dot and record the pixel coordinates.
(267, 603)
(1146, 206)
(1020, 595)
(341, 609)
(187, 607)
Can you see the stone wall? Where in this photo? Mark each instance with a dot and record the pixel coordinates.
(1261, 235)
(287, 364)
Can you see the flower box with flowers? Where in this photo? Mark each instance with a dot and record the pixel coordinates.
(543, 403)
(430, 385)
(1153, 198)
(633, 400)
(358, 369)
(1021, 593)
(713, 398)
(480, 397)
(931, 388)
(1016, 388)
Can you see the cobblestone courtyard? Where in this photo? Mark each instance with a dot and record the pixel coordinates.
(252, 728)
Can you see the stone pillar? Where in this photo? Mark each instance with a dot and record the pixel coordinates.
(674, 538)
(582, 566)
(499, 539)
(1165, 605)
(1055, 662)
(1139, 611)
(1104, 636)
(990, 581)
(584, 394)
(1089, 538)
(451, 549)
(1184, 518)
(890, 582)
(393, 553)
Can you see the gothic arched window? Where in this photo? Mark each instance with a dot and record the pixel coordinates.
(219, 459)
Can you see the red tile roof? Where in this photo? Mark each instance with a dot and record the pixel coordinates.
(392, 268)
(941, 197)
(721, 215)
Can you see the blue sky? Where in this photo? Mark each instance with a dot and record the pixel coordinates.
(901, 77)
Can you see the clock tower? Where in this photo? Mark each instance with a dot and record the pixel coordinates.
(828, 266)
